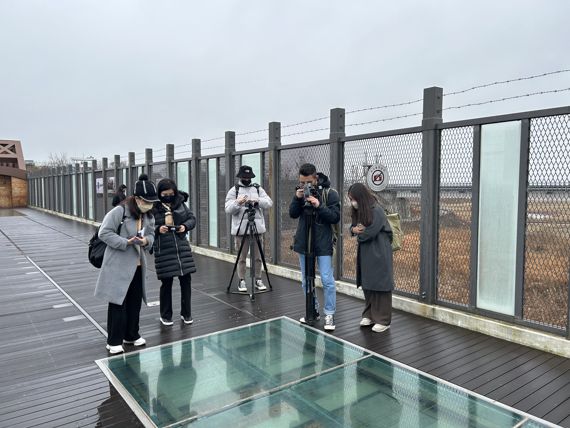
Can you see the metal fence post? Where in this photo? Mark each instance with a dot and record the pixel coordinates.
(78, 205)
(132, 172)
(105, 165)
(230, 148)
(69, 190)
(85, 192)
(431, 145)
(274, 174)
(170, 161)
(116, 167)
(195, 183)
(521, 224)
(53, 197)
(148, 160)
(337, 133)
(94, 188)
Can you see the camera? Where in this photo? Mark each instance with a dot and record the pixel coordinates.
(308, 190)
(251, 205)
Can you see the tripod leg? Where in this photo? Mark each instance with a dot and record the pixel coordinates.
(262, 254)
(237, 261)
(252, 259)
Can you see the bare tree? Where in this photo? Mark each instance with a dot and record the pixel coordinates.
(57, 159)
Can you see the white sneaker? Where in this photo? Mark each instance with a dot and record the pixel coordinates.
(139, 342)
(166, 322)
(379, 328)
(365, 322)
(260, 285)
(187, 320)
(329, 322)
(242, 288)
(115, 349)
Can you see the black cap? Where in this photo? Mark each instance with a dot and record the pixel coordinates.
(145, 189)
(245, 172)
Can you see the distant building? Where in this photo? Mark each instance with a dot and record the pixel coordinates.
(13, 177)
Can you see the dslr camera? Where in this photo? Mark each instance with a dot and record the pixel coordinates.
(308, 190)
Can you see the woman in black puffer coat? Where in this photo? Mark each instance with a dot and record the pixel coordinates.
(172, 253)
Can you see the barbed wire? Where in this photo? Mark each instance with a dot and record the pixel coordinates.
(502, 82)
(405, 103)
(305, 132)
(305, 122)
(553, 91)
(386, 119)
(251, 141)
(251, 132)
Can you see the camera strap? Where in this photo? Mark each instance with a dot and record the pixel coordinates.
(253, 185)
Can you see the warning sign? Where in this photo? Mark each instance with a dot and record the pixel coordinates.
(377, 177)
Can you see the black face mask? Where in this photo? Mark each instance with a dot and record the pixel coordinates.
(168, 199)
(245, 182)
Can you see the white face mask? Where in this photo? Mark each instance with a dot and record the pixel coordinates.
(354, 204)
(144, 206)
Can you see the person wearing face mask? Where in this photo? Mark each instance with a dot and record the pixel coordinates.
(327, 213)
(243, 193)
(374, 258)
(172, 252)
(128, 231)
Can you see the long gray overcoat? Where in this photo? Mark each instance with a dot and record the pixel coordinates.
(120, 261)
(374, 259)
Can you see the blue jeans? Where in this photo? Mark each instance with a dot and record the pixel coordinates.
(327, 278)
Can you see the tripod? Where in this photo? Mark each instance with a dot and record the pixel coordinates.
(310, 310)
(251, 232)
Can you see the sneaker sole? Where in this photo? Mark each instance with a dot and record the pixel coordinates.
(381, 331)
(168, 324)
(187, 322)
(329, 328)
(117, 352)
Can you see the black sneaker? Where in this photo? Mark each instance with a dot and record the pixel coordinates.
(165, 321)
(317, 318)
(187, 320)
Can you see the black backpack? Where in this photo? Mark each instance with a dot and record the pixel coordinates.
(97, 247)
(253, 185)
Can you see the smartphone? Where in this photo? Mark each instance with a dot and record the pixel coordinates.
(140, 233)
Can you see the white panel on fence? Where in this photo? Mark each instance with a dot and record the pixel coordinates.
(498, 216)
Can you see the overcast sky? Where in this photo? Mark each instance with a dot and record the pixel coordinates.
(108, 77)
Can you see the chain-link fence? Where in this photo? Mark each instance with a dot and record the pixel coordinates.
(290, 162)
(402, 156)
(547, 256)
(455, 205)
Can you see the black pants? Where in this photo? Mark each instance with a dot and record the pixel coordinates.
(378, 306)
(166, 297)
(123, 320)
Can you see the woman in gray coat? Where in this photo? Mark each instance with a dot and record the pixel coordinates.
(122, 278)
(374, 260)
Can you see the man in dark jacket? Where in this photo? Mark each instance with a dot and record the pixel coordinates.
(172, 253)
(120, 195)
(326, 206)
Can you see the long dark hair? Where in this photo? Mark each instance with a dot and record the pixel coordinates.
(365, 200)
(131, 203)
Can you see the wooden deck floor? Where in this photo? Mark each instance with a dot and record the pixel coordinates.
(48, 346)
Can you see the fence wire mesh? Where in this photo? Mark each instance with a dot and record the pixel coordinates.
(547, 263)
(455, 203)
(290, 161)
(402, 156)
(204, 233)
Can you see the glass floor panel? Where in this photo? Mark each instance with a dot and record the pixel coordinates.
(279, 373)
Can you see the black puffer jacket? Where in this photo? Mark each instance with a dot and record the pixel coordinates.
(325, 217)
(172, 252)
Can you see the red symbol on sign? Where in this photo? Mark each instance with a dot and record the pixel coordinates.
(378, 177)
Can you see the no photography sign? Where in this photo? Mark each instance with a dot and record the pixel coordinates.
(377, 177)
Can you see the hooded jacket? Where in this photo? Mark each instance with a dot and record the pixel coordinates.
(237, 211)
(325, 216)
(172, 251)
